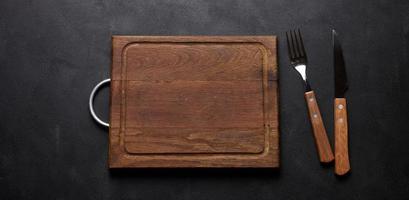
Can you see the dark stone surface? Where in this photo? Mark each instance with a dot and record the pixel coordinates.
(53, 52)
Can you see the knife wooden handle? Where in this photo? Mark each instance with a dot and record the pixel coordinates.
(320, 135)
(341, 136)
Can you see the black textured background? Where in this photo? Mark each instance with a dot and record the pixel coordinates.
(53, 52)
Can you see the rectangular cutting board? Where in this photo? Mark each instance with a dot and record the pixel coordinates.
(194, 101)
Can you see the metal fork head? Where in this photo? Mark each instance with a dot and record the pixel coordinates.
(297, 55)
(295, 44)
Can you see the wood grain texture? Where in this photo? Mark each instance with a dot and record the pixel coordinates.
(342, 165)
(194, 104)
(194, 140)
(320, 134)
(194, 101)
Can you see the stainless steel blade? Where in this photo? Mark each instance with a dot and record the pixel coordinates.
(340, 76)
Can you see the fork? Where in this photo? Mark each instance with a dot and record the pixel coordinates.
(298, 60)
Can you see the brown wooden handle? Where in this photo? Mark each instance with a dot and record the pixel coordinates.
(341, 136)
(320, 135)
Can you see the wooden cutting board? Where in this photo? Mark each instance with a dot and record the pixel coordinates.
(194, 101)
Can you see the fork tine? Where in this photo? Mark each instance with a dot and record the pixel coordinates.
(288, 46)
(301, 43)
(293, 41)
(291, 44)
(298, 45)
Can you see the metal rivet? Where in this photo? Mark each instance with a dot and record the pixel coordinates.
(340, 106)
(315, 115)
(311, 99)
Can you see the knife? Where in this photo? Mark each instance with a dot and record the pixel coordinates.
(342, 165)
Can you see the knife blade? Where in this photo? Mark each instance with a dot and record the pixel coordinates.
(340, 75)
(342, 165)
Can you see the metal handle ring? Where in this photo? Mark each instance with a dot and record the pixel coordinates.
(91, 102)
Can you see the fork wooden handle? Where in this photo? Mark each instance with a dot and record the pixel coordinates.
(320, 135)
(341, 136)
